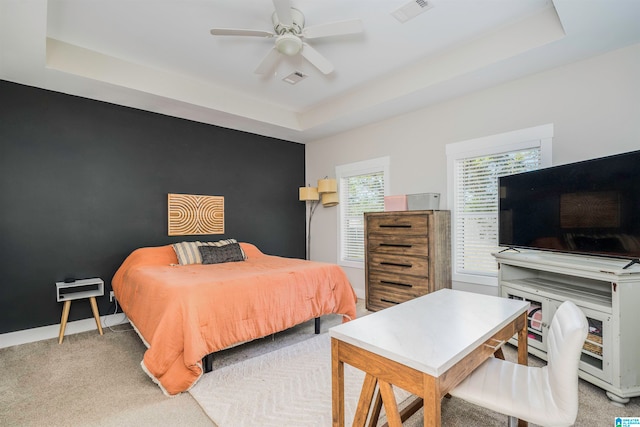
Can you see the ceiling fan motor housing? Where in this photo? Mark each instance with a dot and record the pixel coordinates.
(296, 27)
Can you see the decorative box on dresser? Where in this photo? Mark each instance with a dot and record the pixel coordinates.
(407, 255)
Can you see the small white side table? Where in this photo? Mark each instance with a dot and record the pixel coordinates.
(83, 288)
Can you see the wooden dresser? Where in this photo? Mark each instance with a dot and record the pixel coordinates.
(407, 255)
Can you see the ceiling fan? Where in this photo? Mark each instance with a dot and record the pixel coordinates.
(290, 36)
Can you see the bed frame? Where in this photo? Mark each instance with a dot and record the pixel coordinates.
(207, 361)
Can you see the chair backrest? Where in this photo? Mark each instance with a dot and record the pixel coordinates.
(565, 339)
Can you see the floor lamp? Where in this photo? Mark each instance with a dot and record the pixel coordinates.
(326, 193)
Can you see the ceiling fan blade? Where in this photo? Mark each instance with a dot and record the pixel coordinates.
(268, 62)
(240, 32)
(350, 26)
(317, 60)
(283, 10)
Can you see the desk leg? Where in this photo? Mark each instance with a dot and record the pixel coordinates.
(523, 344)
(390, 405)
(63, 320)
(364, 402)
(375, 411)
(431, 398)
(337, 385)
(523, 350)
(96, 314)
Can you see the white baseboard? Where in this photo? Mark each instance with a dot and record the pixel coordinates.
(52, 331)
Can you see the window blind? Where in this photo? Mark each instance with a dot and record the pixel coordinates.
(477, 195)
(359, 194)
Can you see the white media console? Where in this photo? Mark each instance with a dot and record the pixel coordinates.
(608, 294)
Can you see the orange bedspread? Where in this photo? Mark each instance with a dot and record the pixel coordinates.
(185, 312)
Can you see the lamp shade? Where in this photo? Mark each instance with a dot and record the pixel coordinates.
(308, 193)
(327, 185)
(330, 199)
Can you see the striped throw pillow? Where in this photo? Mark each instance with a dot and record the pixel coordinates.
(187, 253)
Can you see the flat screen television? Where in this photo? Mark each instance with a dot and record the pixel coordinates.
(590, 207)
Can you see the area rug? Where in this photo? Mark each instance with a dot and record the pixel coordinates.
(288, 387)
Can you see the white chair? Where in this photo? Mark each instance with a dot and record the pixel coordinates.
(548, 395)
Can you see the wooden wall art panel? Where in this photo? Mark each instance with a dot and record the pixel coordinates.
(191, 214)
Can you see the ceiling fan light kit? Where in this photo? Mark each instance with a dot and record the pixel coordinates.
(290, 34)
(288, 44)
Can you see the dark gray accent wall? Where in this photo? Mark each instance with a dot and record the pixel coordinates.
(83, 183)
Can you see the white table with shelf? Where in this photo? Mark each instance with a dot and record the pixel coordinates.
(79, 289)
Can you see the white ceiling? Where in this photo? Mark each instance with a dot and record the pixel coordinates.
(158, 55)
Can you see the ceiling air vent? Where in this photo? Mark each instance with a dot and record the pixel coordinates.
(295, 77)
(411, 10)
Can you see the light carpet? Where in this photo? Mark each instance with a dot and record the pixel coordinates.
(288, 387)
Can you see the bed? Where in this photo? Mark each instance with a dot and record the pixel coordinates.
(185, 312)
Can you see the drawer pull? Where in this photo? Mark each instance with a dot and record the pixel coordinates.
(395, 226)
(394, 264)
(387, 282)
(395, 245)
(389, 301)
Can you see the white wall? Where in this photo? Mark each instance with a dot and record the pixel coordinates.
(594, 105)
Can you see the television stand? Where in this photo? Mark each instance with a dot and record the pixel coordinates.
(605, 289)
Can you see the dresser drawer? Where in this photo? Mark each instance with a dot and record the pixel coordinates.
(399, 282)
(386, 297)
(398, 264)
(399, 225)
(398, 245)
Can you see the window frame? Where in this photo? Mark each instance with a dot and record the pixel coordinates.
(380, 164)
(535, 137)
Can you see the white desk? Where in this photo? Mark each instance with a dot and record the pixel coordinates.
(425, 346)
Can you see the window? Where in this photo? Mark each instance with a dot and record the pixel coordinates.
(474, 168)
(362, 187)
